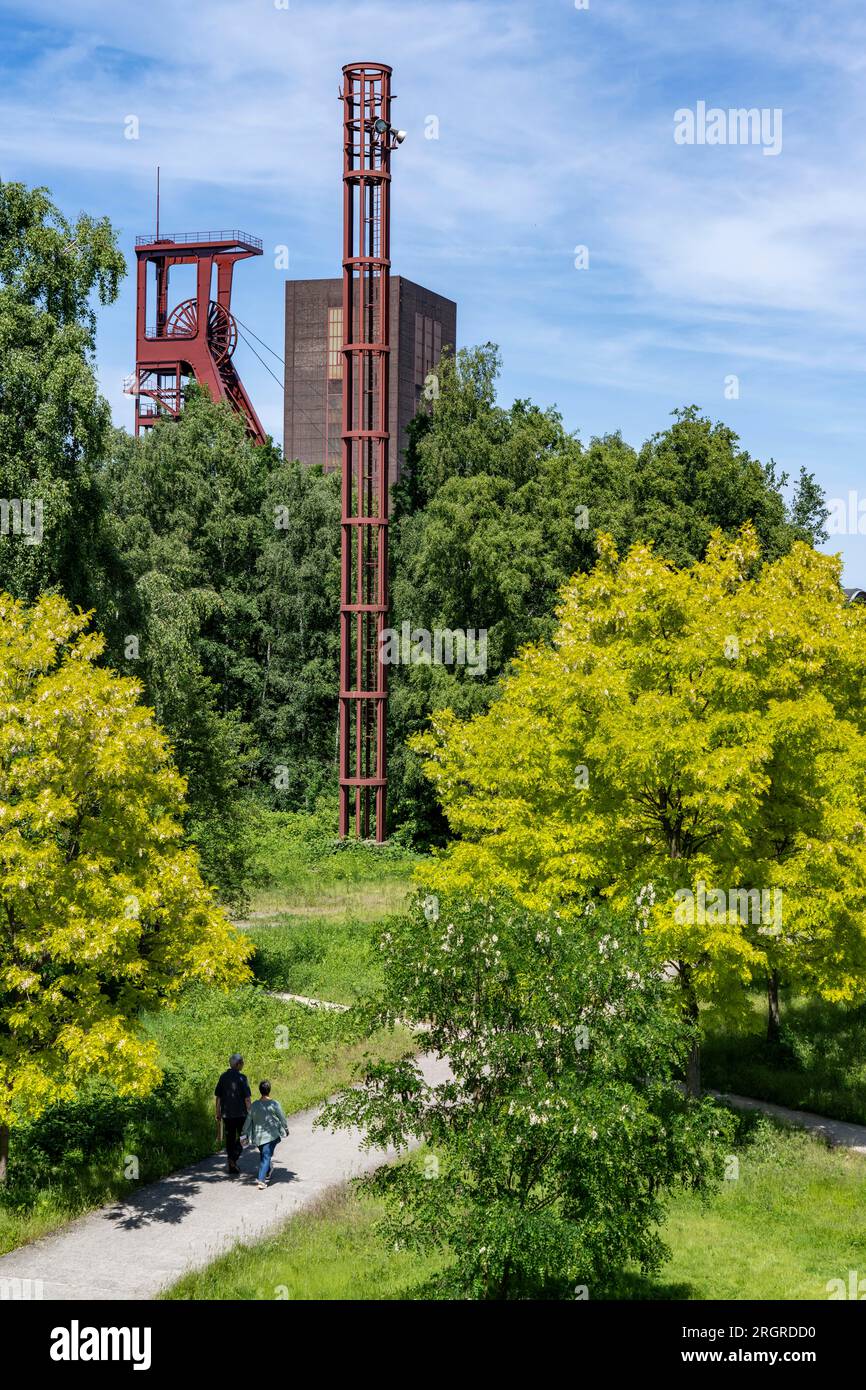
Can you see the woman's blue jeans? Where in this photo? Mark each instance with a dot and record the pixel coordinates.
(267, 1153)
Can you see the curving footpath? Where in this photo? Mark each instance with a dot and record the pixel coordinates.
(838, 1134)
(135, 1249)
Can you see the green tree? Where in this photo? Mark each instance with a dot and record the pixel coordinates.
(53, 422)
(694, 478)
(699, 730)
(560, 1127)
(229, 604)
(299, 578)
(183, 506)
(498, 507)
(103, 912)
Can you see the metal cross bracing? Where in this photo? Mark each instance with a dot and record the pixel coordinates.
(368, 140)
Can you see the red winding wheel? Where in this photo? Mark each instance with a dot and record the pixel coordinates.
(222, 331)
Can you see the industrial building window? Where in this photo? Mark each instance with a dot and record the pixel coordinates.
(333, 394)
(334, 440)
(428, 346)
(428, 350)
(335, 344)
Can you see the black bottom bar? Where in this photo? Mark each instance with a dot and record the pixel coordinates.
(199, 1338)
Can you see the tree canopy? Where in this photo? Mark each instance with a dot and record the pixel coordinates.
(53, 423)
(499, 507)
(685, 727)
(104, 912)
(229, 587)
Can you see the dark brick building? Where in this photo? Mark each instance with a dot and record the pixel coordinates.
(422, 323)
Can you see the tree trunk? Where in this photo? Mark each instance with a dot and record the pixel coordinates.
(4, 1152)
(774, 1020)
(693, 1069)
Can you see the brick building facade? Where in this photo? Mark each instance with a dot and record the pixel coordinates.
(422, 323)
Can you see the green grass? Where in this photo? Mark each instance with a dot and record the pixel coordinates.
(335, 899)
(329, 1252)
(301, 866)
(793, 1220)
(819, 1065)
(326, 958)
(317, 917)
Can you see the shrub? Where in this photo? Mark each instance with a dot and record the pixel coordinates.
(563, 1124)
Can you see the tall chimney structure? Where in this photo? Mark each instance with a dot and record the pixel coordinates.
(368, 140)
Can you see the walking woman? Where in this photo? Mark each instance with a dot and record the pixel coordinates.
(264, 1127)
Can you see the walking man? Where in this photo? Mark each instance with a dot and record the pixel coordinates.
(231, 1103)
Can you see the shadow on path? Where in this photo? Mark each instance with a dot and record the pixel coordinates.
(173, 1198)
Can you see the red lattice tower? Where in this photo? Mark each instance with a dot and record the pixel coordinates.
(368, 140)
(195, 339)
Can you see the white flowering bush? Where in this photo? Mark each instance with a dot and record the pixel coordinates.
(564, 1123)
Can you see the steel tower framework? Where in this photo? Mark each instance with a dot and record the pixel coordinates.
(363, 687)
(195, 338)
(368, 140)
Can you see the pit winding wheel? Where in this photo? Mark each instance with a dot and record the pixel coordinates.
(222, 331)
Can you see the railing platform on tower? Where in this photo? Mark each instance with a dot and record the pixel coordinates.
(242, 240)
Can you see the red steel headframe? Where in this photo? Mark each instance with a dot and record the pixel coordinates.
(366, 98)
(197, 337)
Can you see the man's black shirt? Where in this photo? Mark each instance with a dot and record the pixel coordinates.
(233, 1090)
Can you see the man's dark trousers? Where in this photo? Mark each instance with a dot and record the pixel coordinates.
(232, 1128)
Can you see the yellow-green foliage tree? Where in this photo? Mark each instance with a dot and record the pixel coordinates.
(102, 909)
(687, 729)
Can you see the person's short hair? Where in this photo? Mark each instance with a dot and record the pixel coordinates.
(236, 1060)
(265, 1088)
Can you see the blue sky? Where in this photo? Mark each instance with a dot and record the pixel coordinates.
(555, 130)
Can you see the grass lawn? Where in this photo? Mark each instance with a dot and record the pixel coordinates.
(318, 914)
(330, 1252)
(334, 899)
(794, 1219)
(820, 1063)
(301, 866)
(322, 957)
(317, 917)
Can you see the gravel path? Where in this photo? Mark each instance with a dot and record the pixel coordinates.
(134, 1249)
(837, 1133)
